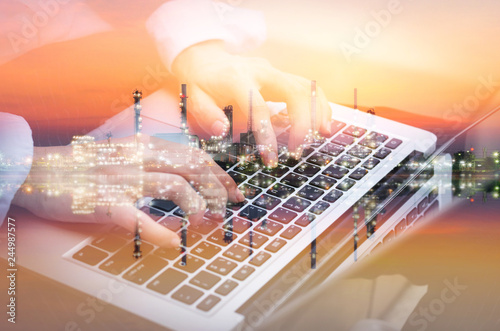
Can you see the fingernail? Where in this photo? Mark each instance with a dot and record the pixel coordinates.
(218, 128)
(176, 242)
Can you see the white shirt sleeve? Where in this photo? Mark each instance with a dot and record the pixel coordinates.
(178, 24)
(16, 154)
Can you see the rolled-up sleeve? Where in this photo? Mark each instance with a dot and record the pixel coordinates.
(16, 155)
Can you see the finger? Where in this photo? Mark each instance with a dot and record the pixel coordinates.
(199, 175)
(251, 101)
(130, 217)
(234, 194)
(207, 114)
(190, 159)
(175, 188)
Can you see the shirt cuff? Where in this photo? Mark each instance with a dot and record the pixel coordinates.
(178, 24)
(16, 155)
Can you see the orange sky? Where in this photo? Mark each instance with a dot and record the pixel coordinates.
(426, 59)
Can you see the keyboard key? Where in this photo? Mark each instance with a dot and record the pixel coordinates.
(168, 253)
(332, 196)
(109, 243)
(167, 281)
(393, 143)
(192, 264)
(253, 240)
(250, 191)
(323, 182)
(358, 173)
(237, 225)
(296, 204)
(346, 184)
(235, 206)
(319, 207)
(280, 191)
(180, 213)
(355, 131)
(267, 202)
(208, 303)
(123, 259)
(217, 217)
(335, 127)
(226, 287)
(252, 213)
(359, 151)
(343, 140)
(261, 180)
(306, 151)
(305, 220)
(275, 245)
(205, 280)
(145, 269)
(222, 237)
(347, 161)
(377, 136)
(247, 168)
(373, 140)
(205, 250)
(165, 205)
(238, 178)
(172, 223)
(278, 171)
(238, 253)
(335, 171)
(288, 160)
(282, 215)
(243, 273)
(320, 159)
(332, 149)
(290, 232)
(90, 255)
(192, 238)
(317, 141)
(260, 258)
(401, 227)
(307, 169)
(269, 228)
(382, 153)
(221, 266)
(204, 227)
(294, 180)
(155, 214)
(370, 163)
(310, 193)
(187, 294)
(412, 215)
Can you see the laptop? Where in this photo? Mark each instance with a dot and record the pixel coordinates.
(315, 212)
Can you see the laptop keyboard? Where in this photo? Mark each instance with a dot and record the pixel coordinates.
(222, 254)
